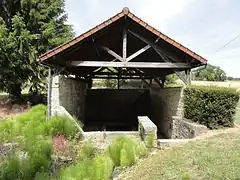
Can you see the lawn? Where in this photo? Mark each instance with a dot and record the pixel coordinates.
(217, 157)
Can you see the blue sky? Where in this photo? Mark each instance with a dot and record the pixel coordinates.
(204, 26)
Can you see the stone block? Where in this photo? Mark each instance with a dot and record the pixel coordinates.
(146, 127)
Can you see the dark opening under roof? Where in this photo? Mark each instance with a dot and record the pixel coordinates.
(122, 45)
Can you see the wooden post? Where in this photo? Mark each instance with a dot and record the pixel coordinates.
(118, 82)
(150, 83)
(124, 44)
(188, 76)
(49, 93)
(90, 83)
(162, 82)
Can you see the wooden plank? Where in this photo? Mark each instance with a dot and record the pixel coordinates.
(154, 46)
(124, 44)
(111, 52)
(138, 53)
(130, 64)
(182, 76)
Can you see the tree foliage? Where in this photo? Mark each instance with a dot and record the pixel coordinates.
(210, 73)
(39, 25)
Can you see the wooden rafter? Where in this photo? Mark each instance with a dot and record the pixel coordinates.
(182, 76)
(153, 45)
(111, 52)
(138, 53)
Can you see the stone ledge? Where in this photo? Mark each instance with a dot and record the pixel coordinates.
(146, 127)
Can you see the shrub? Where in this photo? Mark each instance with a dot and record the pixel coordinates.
(33, 133)
(87, 152)
(34, 123)
(123, 151)
(127, 155)
(28, 124)
(150, 140)
(211, 106)
(141, 150)
(61, 125)
(81, 170)
(42, 176)
(39, 108)
(99, 168)
(37, 159)
(103, 167)
(10, 168)
(7, 131)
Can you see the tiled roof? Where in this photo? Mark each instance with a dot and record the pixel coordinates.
(125, 12)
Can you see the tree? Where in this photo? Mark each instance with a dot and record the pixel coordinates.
(8, 9)
(210, 73)
(39, 25)
(171, 79)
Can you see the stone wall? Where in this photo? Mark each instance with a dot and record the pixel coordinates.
(69, 93)
(166, 102)
(185, 128)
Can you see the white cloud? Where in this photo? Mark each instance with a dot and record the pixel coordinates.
(86, 14)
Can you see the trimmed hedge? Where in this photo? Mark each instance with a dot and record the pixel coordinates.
(211, 106)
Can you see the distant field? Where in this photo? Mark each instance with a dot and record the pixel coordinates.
(230, 84)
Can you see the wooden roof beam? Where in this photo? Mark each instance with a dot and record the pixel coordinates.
(164, 56)
(154, 46)
(131, 64)
(122, 77)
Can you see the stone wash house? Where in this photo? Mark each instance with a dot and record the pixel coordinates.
(124, 47)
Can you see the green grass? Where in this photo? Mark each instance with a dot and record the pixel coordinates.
(217, 158)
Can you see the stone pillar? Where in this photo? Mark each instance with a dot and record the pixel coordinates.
(69, 93)
(166, 102)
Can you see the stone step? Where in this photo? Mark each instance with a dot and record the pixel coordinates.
(171, 142)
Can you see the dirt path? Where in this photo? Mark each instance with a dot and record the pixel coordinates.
(8, 110)
(235, 129)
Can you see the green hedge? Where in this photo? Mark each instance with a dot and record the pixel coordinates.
(211, 106)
